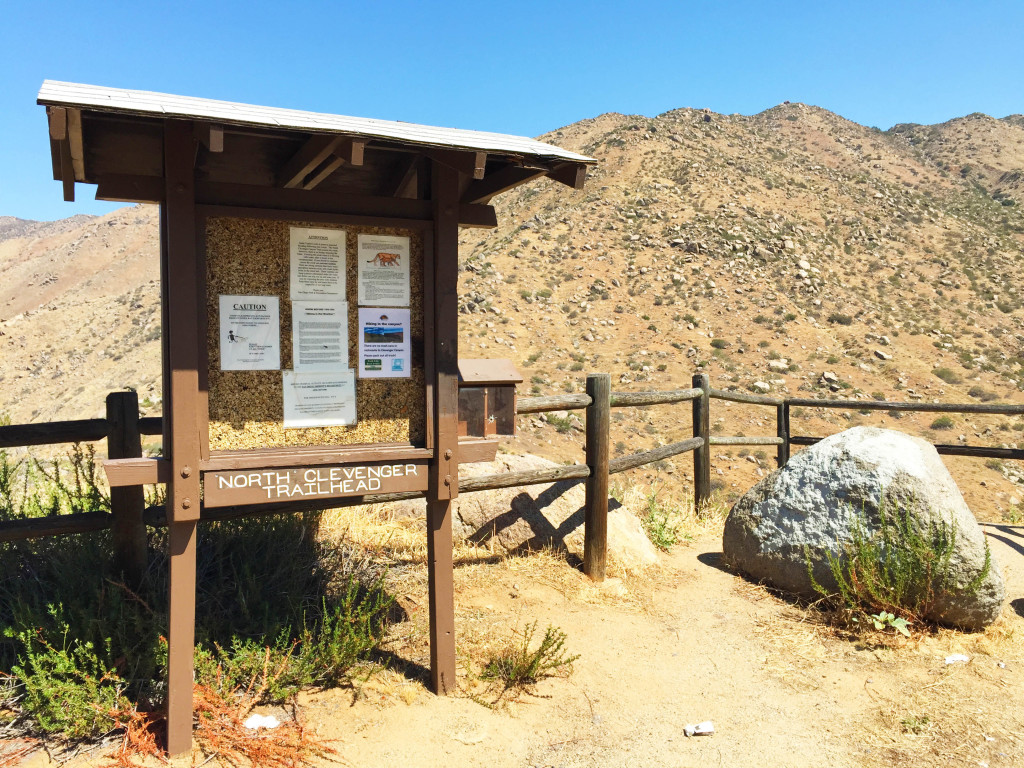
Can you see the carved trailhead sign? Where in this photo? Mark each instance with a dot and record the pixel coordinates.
(221, 489)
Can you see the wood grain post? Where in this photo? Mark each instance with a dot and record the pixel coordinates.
(702, 429)
(127, 503)
(595, 531)
(181, 291)
(443, 474)
(782, 417)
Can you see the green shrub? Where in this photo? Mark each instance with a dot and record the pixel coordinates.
(838, 318)
(661, 523)
(562, 424)
(899, 570)
(68, 690)
(517, 667)
(943, 422)
(982, 394)
(719, 343)
(947, 375)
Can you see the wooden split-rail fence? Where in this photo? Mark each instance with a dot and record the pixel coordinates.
(128, 517)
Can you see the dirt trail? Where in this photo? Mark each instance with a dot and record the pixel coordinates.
(702, 645)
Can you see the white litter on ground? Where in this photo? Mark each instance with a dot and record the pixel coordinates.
(261, 721)
(957, 658)
(700, 729)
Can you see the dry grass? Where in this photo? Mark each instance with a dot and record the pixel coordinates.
(13, 751)
(220, 735)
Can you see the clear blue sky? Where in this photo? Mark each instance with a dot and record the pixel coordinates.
(524, 67)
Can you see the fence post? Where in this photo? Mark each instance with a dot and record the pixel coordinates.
(127, 503)
(595, 531)
(782, 422)
(702, 429)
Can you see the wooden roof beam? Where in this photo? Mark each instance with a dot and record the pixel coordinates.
(407, 179)
(350, 152)
(150, 189)
(472, 164)
(312, 154)
(67, 171)
(312, 182)
(210, 136)
(76, 144)
(57, 118)
(571, 174)
(60, 150)
(499, 181)
(130, 189)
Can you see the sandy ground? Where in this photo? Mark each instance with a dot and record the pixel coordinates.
(688, 643)
(697, 644)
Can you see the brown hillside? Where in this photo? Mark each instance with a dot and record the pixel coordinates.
(977, 148)
(763, 250)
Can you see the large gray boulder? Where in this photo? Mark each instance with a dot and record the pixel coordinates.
(537, 516)
(815, 501)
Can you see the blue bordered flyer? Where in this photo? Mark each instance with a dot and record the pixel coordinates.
(384, 343)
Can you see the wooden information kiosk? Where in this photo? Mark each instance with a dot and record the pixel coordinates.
(309, 270)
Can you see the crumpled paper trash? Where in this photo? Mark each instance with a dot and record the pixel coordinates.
(700, 729)
(957, 658)
(255, 722)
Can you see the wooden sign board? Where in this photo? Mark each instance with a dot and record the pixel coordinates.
(329, 481)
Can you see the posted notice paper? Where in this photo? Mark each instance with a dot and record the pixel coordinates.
(383, 270)
(250, 333)
(317, 264)
(384, 343)
(320, 335)
(319, 399)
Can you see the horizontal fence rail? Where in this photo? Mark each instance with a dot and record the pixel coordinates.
(129, 515)
(552, 403)
(713, 440)
(624, 399)
(974, 451)
(54, 432)
(634, 460)
(743, 397)
(883, 405)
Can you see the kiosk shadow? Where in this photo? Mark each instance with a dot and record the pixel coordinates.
(544, 533)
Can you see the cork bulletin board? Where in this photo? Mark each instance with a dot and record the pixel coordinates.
(251, 257)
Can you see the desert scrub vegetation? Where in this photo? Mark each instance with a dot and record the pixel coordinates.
(948, 375)
(667, 522)
(516, 667)
(277, 610)
(893, 577)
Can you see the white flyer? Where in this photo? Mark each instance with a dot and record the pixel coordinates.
(384, 348)
(319, 399)
(320, 335)
(383, 270)
(317, 264)
(250, 333)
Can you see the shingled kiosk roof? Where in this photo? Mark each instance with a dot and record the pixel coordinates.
(113, 138)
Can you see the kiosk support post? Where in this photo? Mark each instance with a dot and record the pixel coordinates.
(182, 288)
(444, 474)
